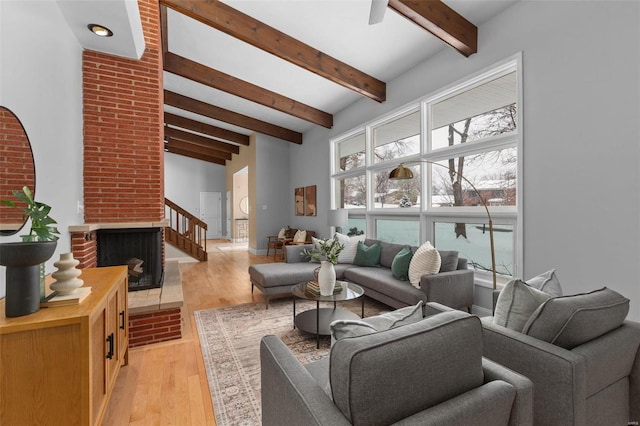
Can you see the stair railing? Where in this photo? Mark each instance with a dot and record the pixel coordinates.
(185, 231)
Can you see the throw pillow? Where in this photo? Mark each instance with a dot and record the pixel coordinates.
(281, 233)
(300, 237)
(348, 253)
(426, 260)
(516, 303)
(341, 329)
(400, 264)
(569, 321)
(367, 256)
(547, 282)
(449, 260)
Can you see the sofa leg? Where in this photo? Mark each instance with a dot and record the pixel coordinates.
(267, 302)
(251, 288)
(469, 309)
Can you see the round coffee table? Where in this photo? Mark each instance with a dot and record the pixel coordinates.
(316, 321)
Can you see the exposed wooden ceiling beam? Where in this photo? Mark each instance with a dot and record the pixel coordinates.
(164, 29)
(170, 132)
(441, 21)
(243, 27)
(198, 149)
(207, 129)
(195, 155)
(218, 80)
(221, 114)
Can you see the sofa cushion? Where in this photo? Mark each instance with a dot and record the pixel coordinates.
(426, 260)
(381, 280)
(341, 329)
(449, 260)
(400, 264)
(547, 282)
(367, 256)
(388, 252)
(569, 321)
(388, 360)
(516, 303)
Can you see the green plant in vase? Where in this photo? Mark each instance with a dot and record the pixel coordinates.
(25, 260)
(42, 225)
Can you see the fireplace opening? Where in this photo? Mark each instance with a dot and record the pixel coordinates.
(140, 249)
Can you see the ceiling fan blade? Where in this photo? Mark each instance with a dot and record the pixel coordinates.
(378, 7)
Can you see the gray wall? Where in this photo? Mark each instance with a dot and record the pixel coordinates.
(272, 210)
(185, 178)
(41, 82)
(581, 68)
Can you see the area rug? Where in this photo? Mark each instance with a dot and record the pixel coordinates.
(230, 342)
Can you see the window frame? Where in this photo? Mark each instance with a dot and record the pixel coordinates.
(426, 214)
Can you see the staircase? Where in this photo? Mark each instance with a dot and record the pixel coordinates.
(185, 231)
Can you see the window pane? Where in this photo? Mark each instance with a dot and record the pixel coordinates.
(486, 110)
(351, 192)
(398, 231)
(493, 174)
(355, 226)
(350, 153)
(397, 138)
(472, 242)
(396, 193)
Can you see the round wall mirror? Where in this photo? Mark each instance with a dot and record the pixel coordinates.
(17, 169)
(244, 205)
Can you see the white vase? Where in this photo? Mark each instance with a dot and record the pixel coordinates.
(66, 276)
(326, 278)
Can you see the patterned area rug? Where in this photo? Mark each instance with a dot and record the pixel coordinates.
(230, 342)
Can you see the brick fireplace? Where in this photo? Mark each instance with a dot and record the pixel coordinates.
(123, 142)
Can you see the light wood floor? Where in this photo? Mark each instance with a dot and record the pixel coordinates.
(166, 383)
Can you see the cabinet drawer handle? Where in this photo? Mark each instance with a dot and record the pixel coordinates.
(122, 320)
(110, 342)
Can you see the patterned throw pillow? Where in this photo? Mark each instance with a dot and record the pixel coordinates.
(426, 260)
(348, 253)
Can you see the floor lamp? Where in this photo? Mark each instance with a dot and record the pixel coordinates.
(338, 218)
(401, 172)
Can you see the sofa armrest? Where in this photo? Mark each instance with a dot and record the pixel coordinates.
(453, 289)
(293, 253)
(522, 411)
(290, 395)
(558, 374)
(434, 308)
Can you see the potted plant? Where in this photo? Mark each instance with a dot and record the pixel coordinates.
(23, 259)
(326, 252)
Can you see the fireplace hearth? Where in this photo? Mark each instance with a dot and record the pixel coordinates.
(140, 249)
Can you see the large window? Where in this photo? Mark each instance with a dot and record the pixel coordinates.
(463, 146)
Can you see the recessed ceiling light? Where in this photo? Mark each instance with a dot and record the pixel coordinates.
(99, 30)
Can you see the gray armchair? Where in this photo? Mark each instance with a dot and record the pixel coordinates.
(583, 359)
(430, 372)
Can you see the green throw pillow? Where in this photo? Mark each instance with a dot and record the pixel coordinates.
(367, 256)
(400, 264)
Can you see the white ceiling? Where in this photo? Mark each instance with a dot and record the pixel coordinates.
(338, 28)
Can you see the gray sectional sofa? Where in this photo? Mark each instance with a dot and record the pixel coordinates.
(453, 288)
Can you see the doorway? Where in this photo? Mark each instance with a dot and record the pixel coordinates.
(211, 213)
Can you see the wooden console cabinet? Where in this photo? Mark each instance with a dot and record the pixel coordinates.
(58, 365)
